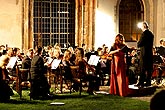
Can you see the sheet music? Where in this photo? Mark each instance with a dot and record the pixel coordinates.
(12, 62)
(49, 61)
(55, 63)
(93, 60)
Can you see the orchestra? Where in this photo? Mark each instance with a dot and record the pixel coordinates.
(55, 60)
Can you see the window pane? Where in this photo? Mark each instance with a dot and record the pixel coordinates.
(130, 13)
(54, 20)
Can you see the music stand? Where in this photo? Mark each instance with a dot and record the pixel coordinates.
(93, 60)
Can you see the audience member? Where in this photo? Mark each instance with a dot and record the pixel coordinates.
(157, 101)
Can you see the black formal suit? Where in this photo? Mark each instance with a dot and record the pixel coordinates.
(161, 51)
(26, 64)
(5, 90)
(39, 83)
(146, 57)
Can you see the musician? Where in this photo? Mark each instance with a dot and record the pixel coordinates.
(157, 66)
(66, 65)
(2, 50)
(145, 44)
(66, 69)
(84, 46)
(48, 59)
(118, 78)
(5, 91)
(26, 63)
(56, 63)
(105, 58)
(161, 48)
(83, 65)
(72, 56)
(15, 61)
(103, 64)
(133, 67)
(39, 84)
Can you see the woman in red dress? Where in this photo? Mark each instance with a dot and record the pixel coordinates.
(118, 78)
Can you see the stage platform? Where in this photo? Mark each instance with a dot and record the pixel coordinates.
(134, 91)
(141, 91)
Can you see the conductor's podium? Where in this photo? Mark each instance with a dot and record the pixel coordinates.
(139, 91)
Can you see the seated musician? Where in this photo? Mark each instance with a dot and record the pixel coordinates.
(5, 91)
(91, 78)
(72, 57)
(15, 61)
(103, 66)
(2, 50)
(161, 49)
(56, 64)
(133, 68)
(66, 65)
(17, 54)
(48, 60)
(26, 63)
(158, 65)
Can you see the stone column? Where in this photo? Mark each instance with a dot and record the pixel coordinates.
(27, 24)
(30, 32)
(76, 22)
(93, 22)
(90, 28)
(80, 22)
(86, 22)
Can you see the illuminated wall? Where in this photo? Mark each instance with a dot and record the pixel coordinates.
(105, 25)
(10, 23)
(160, 21)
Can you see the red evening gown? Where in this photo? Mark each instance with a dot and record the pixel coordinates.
(118, 78)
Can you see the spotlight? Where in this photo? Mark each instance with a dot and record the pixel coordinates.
(139, 25)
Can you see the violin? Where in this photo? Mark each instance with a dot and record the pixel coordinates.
(106, 56)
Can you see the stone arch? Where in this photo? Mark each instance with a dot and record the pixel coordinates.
(148, 13)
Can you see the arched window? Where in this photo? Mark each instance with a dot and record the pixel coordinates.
(54, 22)
(130, 13)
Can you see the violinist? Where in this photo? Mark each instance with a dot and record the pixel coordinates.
(57, 61)
(72, 56)
(102, 65)
(49, 59)
(66, 66)
(83, 65)
(118, 78)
